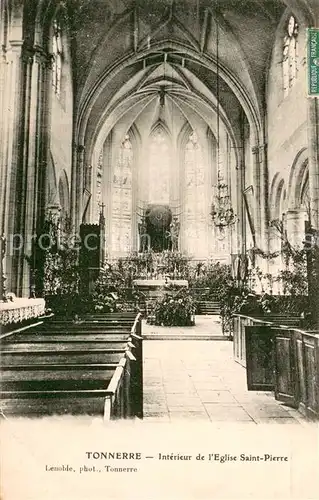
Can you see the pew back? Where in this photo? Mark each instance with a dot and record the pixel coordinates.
(59, 367)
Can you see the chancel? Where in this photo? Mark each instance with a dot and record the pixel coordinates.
(159, 178)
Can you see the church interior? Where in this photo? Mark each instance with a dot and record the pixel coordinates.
(175, 131)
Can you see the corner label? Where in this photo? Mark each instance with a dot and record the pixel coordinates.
(313, 62)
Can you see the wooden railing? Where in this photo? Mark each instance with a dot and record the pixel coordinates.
(296, 369)
(240, 321)
(281, 358)
(239, 340)
(137, 378)
(115, 401)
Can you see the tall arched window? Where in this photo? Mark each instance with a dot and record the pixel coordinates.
(122, 198)
(290, 53)
(195, 209)
(159, 167)
(57, 52)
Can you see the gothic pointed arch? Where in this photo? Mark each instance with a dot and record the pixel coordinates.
(160, 126)
(298, 173)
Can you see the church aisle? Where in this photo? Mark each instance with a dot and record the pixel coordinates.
(207, 327)
(199, 381)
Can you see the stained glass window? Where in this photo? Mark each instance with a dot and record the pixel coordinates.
(159, 167)
(289, 62)
(122, 198)
(195, 203)
(57, 51)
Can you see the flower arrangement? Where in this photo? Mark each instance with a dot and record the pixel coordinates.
(61, 282)
(114, 289)
(174, 308)
(212, 278)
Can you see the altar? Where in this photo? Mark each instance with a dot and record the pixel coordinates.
(155, 287)
(19, 310)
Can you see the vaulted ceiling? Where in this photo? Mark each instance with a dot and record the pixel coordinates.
(126, 53)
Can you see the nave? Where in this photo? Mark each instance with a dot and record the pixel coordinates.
(198, 381)
(158, 157)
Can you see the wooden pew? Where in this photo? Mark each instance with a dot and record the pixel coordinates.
(137, 381)
(281, 319)
(73, 360)
(120, 315)
(53, 377)
(241, 321)
(92, 320)
(13, 355)
(296, 369)
(101, 389)
(85, 326)
(111, 317)
(71, 337)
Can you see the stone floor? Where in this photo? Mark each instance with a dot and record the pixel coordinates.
(206, 327)
(198, 380)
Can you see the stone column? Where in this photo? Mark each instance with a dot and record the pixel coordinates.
(240, 235)
(12, 154)
(107, 190)
(295, 225)
(4, 67)
(25, 182)
(260, 190)
(73, 187)
(79, 184)
(34, 164)
(256, 185)
(44, 144)
(313, 148)
(4, 98)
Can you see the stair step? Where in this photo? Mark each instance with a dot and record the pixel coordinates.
(208, 307)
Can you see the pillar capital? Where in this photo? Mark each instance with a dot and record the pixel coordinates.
(291, 212)
(16, 44)
(40, 56)
(259, 151)
(78, 148)
(14, 50)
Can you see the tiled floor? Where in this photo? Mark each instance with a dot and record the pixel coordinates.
(187, 379)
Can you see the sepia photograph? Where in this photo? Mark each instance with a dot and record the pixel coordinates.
(159, 249)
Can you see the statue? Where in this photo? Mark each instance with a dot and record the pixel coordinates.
(144, 237)
(173, 233)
